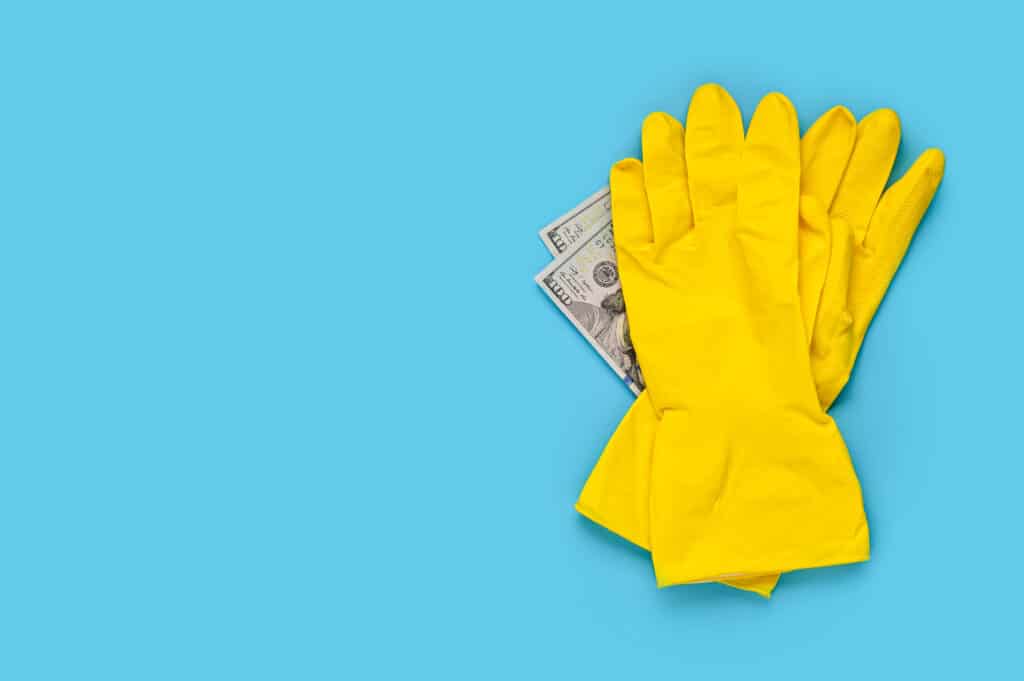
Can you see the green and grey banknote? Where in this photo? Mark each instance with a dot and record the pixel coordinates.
(583, 282)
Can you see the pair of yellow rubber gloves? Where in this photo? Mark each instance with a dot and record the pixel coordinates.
(751, 268)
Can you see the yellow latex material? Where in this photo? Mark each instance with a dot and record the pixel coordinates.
(843, 277)
(617, 493)
(748, 475)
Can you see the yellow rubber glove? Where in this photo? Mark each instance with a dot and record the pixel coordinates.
(617, 492)
(870, 236)
(748, 475)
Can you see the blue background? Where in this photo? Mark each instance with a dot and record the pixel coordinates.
(280, 398)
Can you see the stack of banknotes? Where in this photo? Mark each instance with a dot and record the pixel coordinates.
(583, 282)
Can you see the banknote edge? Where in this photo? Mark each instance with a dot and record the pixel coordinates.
(539, 280)
(567, 216)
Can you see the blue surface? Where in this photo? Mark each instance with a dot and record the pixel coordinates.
(279, 398)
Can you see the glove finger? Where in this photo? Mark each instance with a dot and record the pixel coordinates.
(824, 154)
(665, 178)
(825, 151)
(768, 203)
(831, 361)
(713, 144)
(631, 217)
(891, 229)
(815, 242)
(878, 139)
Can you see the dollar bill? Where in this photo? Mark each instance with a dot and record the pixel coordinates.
(564, 232)
(583, 282)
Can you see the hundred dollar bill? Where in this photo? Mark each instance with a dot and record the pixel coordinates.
(583, 282)
(562, 233)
